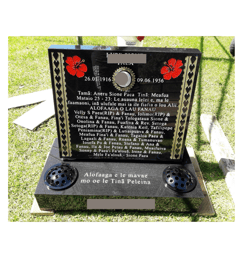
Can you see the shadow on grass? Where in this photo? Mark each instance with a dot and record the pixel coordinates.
(199, 129)
(230, 61)
(141, 215)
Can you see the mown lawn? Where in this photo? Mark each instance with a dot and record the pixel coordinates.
(27, 150)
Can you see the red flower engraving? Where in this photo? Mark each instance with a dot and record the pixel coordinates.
(140, 38)
(75, 66)
(172, 69)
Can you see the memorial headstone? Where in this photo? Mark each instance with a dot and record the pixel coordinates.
(122, 116)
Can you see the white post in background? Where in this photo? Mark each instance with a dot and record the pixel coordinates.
(130, 41)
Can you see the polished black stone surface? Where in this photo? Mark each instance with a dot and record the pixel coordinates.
(116, 180)
(121, 103)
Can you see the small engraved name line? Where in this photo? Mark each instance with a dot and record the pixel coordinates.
(107, 175)
(116, 181)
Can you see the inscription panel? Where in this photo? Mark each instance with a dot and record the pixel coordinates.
(122, 111)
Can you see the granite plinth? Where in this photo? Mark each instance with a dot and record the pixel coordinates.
(116, 180)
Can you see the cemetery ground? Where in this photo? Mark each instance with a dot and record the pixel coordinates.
(28, 71)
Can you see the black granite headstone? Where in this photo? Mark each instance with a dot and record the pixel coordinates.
(122, 116)
(117, 103)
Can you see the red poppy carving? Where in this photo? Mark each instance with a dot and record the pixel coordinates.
(75, 66)
(140, 38)
(172, 69)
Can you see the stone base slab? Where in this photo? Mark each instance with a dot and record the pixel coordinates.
(78, 196)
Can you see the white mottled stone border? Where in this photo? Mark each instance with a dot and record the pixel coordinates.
(221, 149)
(35, 210)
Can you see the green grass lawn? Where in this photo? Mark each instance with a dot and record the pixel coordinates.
(28, 69)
